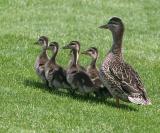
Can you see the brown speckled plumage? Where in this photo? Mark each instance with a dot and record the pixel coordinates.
(119, 77)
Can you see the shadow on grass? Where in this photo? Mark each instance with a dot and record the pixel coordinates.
(38, 85)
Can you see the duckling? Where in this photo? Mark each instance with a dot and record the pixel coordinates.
(77, 78)
(93, 72)
(54, 73)
(42, 58)
(92, 69)
(120, 78)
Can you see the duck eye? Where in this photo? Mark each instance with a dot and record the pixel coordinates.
(112, 22)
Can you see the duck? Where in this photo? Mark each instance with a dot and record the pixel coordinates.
(42, 58)
(93, 72)
(54, 73)
(78, 79)
(123, 82)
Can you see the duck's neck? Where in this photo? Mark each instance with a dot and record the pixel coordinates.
(117, 42)
(93, 63)
(74, 59)
(53, 58)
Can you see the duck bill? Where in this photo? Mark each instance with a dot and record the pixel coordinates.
(36, 43)
(84, 52)
(66, 47)
(103, 26)
(49, 47)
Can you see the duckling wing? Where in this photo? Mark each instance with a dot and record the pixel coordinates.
(130, 82)
(83, 79)
(59, 74)
(97, 82)
(94, 75)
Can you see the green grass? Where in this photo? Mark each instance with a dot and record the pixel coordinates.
(25, 104)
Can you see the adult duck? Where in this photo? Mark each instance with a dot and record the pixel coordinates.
(120, 78)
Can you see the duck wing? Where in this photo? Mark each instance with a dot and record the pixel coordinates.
(130, 82)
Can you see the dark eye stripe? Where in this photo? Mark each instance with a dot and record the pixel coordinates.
(90, 50)
(40, 39)
(72, 44)
(52, 45)
(112, 22)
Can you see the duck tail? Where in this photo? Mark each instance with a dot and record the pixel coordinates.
(139, 100)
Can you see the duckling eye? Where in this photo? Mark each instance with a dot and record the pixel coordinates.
(54, 47)
(51, 45)
(40, 40)
(72, 44)
(93, 52)
(90, 51)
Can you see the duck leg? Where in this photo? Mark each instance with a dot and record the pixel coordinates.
(117, 101)
(71, 91)
(87, 95)
(46, 83)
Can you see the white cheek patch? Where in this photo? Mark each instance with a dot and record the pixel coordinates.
(54, 49)
(45, 44)
(94, 56)
(77, 57)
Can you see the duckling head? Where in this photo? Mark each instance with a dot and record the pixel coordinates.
(92, 52)
(53, 46)
(73, 45)
(115, 25)
(42, 41)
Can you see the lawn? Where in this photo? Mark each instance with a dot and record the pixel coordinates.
(25, 103)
